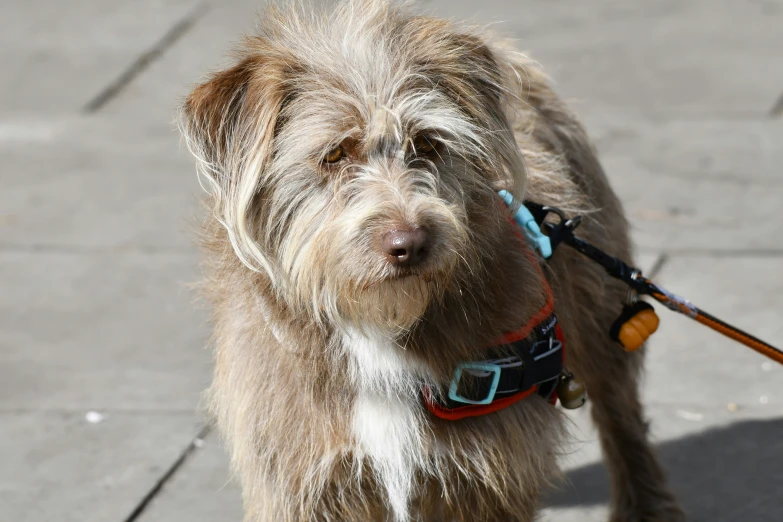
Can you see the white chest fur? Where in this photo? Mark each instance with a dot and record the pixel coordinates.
(387, 421)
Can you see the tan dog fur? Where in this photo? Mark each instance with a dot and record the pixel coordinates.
(322, 345)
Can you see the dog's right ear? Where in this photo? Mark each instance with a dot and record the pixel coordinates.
(229, 123)
(210, 113)
(234, 109)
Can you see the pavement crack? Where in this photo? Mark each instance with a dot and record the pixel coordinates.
(658, 265)
(141, 63)
(167, 476)
(777, 110)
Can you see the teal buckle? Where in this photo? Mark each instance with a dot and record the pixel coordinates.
(525, 220)
(486, 367)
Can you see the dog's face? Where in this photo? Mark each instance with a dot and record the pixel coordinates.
(356, 162)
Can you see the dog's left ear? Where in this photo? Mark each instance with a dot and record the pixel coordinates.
(471, 71)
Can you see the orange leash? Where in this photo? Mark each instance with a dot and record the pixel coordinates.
(562, 231)
(684, 307)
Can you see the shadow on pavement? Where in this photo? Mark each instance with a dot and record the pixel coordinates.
(725, 474)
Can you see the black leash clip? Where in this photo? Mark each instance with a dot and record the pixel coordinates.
(563, 232)
(563, 229)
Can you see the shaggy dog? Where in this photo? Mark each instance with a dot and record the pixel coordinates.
(357, 251)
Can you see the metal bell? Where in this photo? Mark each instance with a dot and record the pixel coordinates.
(571, 392)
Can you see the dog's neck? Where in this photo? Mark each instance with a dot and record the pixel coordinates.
(453, 329)
(504, 296)
(382, 365)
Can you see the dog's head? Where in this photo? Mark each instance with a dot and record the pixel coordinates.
(354, 156)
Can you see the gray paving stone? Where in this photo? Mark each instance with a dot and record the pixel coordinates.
(577, 514)
(709, 185)
(94, 183)
(738, 153)
(56, 56)
(58, 466)
(662, 58)
(114, 330)
(201, 491)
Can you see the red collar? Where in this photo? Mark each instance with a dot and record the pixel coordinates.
(523, 362)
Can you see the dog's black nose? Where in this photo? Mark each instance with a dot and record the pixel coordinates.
(406, 247)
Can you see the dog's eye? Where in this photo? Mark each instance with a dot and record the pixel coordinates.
(334, 155)
(423, 144)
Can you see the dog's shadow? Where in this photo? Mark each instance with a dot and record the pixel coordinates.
(725, 474)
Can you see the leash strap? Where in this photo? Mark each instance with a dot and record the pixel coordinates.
(683, 306)
(563, 232)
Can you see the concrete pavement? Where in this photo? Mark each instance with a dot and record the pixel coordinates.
(97, 198)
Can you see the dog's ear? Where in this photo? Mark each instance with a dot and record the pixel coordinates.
(470, 72)
(489, 104)
(229, 123)
(210, 112)
(234, 109)
(464, 66)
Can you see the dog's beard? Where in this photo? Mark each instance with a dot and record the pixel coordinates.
(339, 270)
(392, 305)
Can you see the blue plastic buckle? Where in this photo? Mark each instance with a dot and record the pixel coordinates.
(525, 220)
(486, 367)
